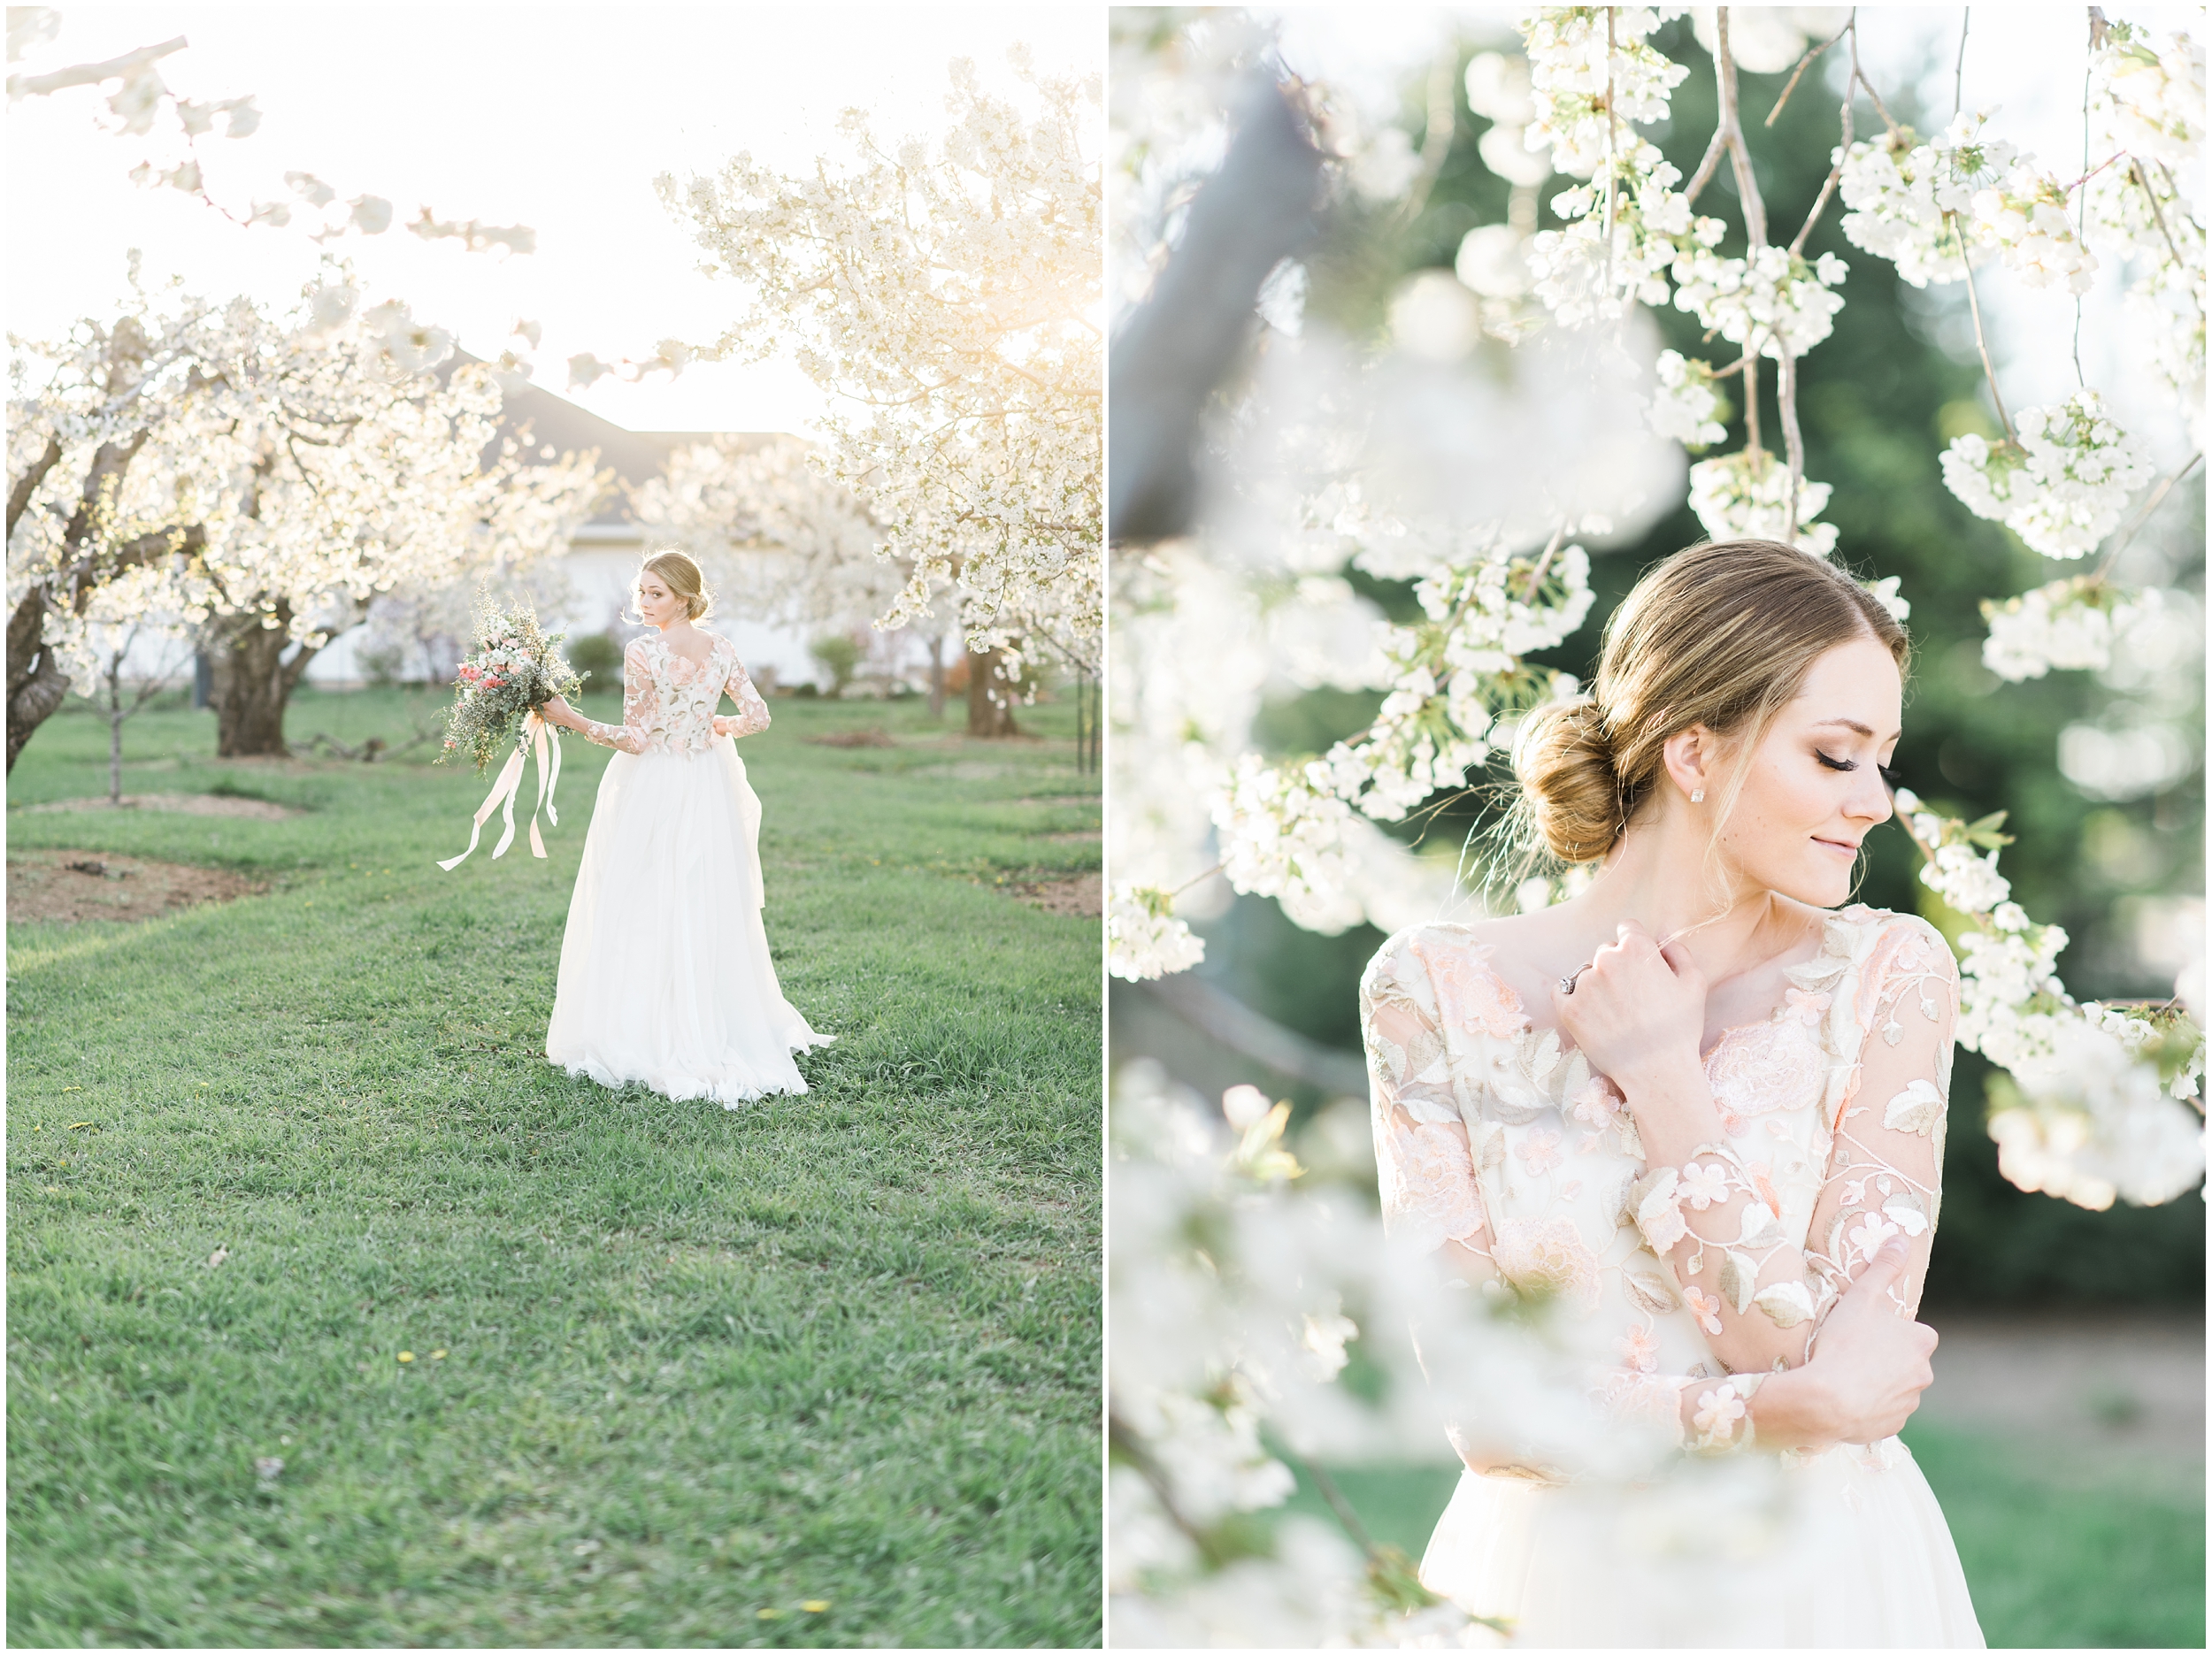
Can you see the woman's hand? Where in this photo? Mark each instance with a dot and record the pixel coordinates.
(557, 711)
(1870, 1362)
(1637, 1009)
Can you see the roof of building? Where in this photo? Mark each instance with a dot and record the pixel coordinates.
(555, 425)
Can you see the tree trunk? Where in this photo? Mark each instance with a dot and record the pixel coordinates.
(990, 697)
(937, 678)
(37, 685)
(115, 730)
(253, 682)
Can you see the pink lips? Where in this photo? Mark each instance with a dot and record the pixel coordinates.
(1849, 847)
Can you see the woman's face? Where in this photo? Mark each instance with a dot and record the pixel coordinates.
(655, 603)
(1814, 789)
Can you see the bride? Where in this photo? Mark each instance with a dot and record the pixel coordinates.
(1731, 1186)
(665, 977)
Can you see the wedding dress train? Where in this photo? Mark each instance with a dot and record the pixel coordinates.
(665, 977)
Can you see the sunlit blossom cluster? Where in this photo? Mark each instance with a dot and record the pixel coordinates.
(2145, 207)
(2150, 93)
(2097, 1109)
(1913, 203)
(950, 295)
(1593, 74)
(1145, 939)
(1747, 495)
(2027, 217)
(2070, 625)
(1688, 406)
(1454, 675)
(1280, 829)
(1774, 301)
(2062, 486)
(1582, 274)
(2094, 1120)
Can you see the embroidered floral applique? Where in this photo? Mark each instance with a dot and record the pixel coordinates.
(1829, 1146)
(668, 701)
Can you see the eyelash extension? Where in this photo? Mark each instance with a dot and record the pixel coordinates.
(1890, 778)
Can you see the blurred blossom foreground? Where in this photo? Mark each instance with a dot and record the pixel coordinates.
(1259, 1319)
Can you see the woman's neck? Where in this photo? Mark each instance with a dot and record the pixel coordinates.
(1663, 875)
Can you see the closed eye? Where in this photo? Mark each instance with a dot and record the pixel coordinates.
(1890, 778)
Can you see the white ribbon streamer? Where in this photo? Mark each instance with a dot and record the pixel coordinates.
(536, 736)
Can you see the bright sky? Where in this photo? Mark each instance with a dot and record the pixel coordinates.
(554, 117)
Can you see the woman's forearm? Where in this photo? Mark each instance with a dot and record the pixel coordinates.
(1795, 1409)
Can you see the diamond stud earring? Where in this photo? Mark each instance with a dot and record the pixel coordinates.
(1698, 798)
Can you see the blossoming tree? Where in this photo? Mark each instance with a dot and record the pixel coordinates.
(784, 542)
(257, 479)
(947, 298)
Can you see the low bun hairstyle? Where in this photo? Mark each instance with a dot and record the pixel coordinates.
(1720, 635)
(683, 578)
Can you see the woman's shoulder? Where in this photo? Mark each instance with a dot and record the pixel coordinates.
(1484, 944)
(1887, 930)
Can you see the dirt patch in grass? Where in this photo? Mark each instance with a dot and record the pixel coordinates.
(70, 886)
(1081, 897)
(183, 804)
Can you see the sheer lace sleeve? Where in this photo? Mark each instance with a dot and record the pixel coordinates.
(752, 712)
(1886, 1170)
(641, 705)
(1722, 1218)
(1421, 1160)
(1431, 1190)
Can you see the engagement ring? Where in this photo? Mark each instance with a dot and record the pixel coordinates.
(1567, 982)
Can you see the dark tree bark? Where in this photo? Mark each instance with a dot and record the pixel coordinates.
(36, 684)
(20, 491)
(990, 697)
(1177, 346)
(253, 682)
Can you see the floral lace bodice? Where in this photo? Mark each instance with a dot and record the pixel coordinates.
(668, 702)
(1494, 1140)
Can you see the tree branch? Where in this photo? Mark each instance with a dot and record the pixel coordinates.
(90, 73)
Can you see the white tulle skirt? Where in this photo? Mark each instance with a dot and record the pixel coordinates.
(665, 978)
(1860, 1559)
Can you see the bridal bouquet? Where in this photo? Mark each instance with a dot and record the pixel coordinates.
(514, 669)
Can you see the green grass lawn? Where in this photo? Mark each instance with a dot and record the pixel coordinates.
(2057, 1556)
(821, 1371)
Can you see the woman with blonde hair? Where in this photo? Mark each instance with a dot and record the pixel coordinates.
(1699, 1107)
(665, 978)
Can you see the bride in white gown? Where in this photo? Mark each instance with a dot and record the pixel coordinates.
(1729, 1180)
(665, 978)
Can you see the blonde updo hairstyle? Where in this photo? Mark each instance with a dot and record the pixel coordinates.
(1721, 635)
(682, 577)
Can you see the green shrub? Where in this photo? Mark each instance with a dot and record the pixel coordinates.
(840, 657)
(598, 657)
